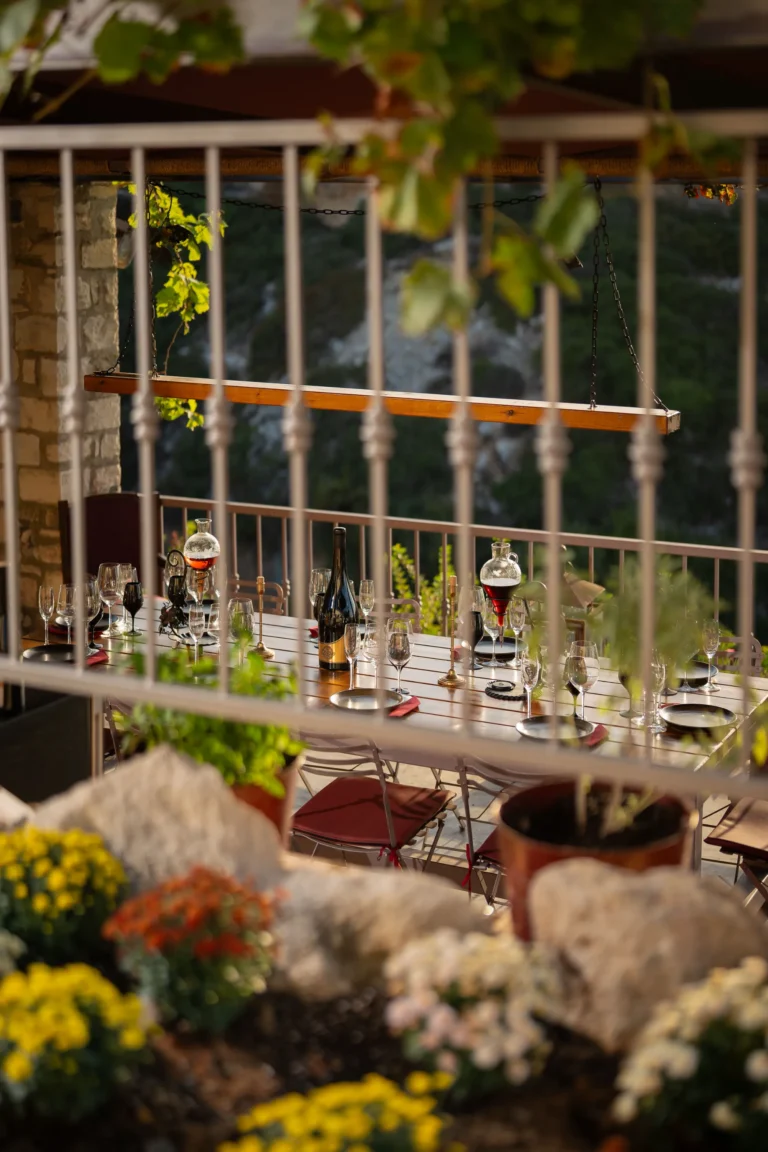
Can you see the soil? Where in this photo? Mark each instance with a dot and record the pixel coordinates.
(555, 823)
(188, 1097)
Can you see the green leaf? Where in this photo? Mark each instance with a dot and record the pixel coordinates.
(430, 297)
(567, 214)
(16, 22)
(120, 47)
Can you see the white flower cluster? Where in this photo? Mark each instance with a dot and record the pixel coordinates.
(474, 1000)
(11, 948)
(668, 1047)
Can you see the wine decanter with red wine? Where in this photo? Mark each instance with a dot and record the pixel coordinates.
(201, 552)
(499, 577)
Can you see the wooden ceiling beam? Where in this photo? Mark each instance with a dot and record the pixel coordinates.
(604, 418)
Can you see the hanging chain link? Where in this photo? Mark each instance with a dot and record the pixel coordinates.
(595, 305)
(603, 226)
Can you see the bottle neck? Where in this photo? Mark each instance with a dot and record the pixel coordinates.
(339, 555)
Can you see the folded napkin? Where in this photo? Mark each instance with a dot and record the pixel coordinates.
(600, 733)
(313, 632)
(98, 658)
(406, 707)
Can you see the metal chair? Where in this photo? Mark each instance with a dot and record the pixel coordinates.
(730, 660)
(743, 833)
(360, 810)
(496, 783)
(274, 595)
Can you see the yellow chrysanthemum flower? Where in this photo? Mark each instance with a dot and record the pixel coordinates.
(18, 1067)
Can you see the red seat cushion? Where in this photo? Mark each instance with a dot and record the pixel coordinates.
(350, 810)
(489, 850)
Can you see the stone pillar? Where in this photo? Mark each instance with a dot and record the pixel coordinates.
(40, 363)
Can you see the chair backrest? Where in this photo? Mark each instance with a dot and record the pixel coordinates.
(112, 531)
(410, 609)
(730, 660)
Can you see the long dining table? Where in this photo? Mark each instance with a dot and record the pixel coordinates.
(440, 706)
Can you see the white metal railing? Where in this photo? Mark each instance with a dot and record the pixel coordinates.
(598, 556)
(459, 739)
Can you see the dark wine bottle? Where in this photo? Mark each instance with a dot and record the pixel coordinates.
(338, 609)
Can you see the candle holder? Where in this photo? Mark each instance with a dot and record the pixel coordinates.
(261, 648)
(452, 678)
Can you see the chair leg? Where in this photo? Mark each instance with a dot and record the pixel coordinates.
(438, 833)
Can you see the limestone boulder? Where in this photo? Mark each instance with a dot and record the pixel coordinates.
(336, 927)
(161, 814)
(629, 940)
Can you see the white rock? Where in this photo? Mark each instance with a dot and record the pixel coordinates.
(629, 940)
(336, 926)
(12, 810)
(161, 814)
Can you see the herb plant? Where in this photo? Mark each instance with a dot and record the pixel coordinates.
(243, 753)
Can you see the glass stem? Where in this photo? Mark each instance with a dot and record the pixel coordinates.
(399, 678)
(45, 622)
(528, 701)
(493, 649)
(109, 613)
(69, 632)
(583, 699)
(351, 674)
(709, 671)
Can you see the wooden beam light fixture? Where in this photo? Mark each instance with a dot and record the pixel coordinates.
(604, 418)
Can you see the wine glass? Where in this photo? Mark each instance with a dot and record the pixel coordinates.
(109, 590)
(133, 602)
(177, 590)
(352, 650)
(318, 586)
(214, 623)
(366, 600)
(583, 669)
(240, 612)
(493, 627)
(126, 574)
(46, 602)
(658, 676)
(625, 679)
(516, 615)
(66, 606)
(196, 625)
(529, 670)
(710, 642)
(399, 650)
(93, 611)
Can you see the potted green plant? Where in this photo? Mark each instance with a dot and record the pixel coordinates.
(625, 827)
(259, 761)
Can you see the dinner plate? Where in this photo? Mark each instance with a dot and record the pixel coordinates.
(51, 653)
(484, 649)
(367, 699)
(695, 675)
(697, 717)
(569, 728)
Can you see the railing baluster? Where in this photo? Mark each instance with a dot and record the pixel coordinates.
(531, 568)
(716, 593)
(417, 563)
(621, 571)
(284, 560)
(391, 585)
(592, 564)
(443, 610)
(363, 558)
(9, 422)
(310, 547)
(259, 548)
(145, 419)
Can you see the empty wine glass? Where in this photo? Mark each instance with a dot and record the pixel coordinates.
(318, 586)
(46, 602)
(529, 670)
(626, 681)
(366, 600)
(399, 651)
(583, 669)
(352, 650)
(471, 603)
(109, 590)
(133, 602)
(710, 642)
(196, 624)
(177, 590)
(92, 611)
(126, 574)
(658, 677)
(516, 616)
(240, 612)
(66, 607)
(214, 623)
(493, 628)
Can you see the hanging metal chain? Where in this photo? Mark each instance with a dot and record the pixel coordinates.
(603, 225)
(595, 304)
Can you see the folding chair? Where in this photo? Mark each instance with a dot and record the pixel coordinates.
(743, 832)
(360, 810)
(495, 783)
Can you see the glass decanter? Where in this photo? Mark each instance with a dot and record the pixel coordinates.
(201, 551)
(499, 576)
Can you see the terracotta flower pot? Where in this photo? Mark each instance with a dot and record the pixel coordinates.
(277, 809)
(524, 855)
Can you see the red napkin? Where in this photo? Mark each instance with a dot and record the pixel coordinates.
(406, 707)
(98, 658)
(600, 733)
(313, 632)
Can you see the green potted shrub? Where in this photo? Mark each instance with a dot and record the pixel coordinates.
(625, 827)
(259, 761)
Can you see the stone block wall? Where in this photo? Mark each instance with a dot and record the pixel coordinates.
(40, 364)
